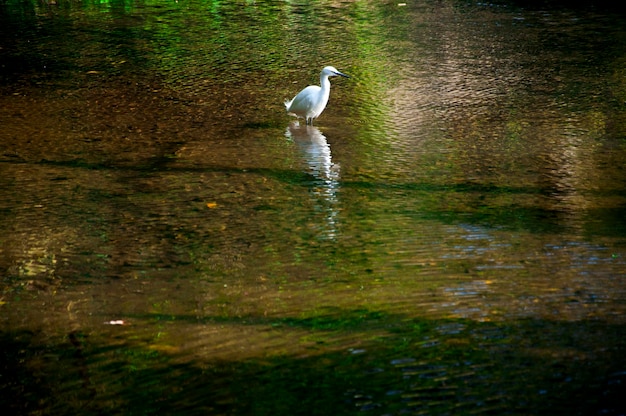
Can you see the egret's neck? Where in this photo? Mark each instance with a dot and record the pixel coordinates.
(324, 82)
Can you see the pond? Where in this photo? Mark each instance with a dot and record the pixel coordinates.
(448, 237)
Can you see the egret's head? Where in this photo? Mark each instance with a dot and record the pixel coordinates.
(331, 71)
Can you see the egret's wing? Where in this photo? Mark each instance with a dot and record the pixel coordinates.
(305, 100)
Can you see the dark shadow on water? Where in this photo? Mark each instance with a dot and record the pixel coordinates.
(595, 5)
(161, 162)
(430, 367)
(532, 217)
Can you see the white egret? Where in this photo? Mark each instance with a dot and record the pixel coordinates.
(311, 101)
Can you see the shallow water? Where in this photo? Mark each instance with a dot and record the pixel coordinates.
(448, 238)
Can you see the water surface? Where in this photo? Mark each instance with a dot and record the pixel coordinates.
(449, 238)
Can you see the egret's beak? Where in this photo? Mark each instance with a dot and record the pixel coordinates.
(341, 74)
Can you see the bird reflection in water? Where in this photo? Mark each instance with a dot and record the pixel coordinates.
(325, 174)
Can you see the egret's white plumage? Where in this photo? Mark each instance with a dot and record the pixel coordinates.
(311, 101)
